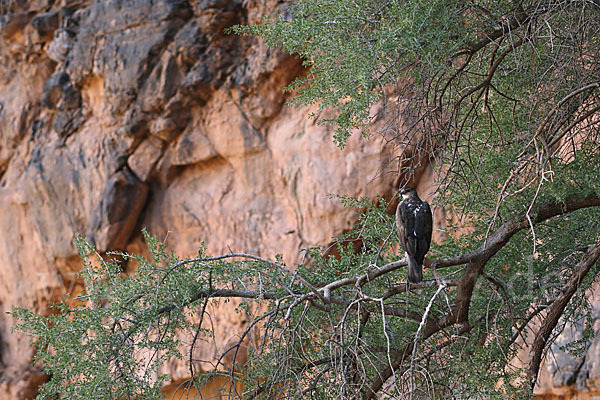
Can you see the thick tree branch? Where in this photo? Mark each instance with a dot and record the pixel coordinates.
(511, 23)
(477, 261)
(499, 238)
(479, 258)
(557, 309)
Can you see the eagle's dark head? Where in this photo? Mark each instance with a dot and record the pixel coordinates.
(407, 192)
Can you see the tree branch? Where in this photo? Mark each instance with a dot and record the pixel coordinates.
(499, 238)
(261, 259)
(477, 261)
(558, 307)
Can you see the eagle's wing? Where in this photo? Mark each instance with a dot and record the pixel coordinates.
(405, 222)
(423, 227)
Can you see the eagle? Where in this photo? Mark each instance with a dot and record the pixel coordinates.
(415, 224)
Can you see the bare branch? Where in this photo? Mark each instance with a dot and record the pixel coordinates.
(261, 259)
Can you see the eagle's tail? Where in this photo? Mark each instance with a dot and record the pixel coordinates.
(415, 270)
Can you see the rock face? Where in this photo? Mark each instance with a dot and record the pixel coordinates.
(122, 114)
(117, 115)
(574, 375)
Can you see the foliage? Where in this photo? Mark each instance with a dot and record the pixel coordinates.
(502, 98)
(109, 341)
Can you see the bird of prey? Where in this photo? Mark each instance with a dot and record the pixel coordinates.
(415, 224)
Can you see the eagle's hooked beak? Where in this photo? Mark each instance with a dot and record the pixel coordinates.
(406, 191)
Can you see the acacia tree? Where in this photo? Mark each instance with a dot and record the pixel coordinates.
(501, 97)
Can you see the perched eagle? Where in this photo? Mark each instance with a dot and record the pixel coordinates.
(415, 223)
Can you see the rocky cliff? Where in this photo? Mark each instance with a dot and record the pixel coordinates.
(122, 114)
(118, 115)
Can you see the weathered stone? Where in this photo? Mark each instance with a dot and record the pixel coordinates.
(164, 128)
(60, 45)
(59, 93)
(192, 147)
(215, 19)
(116, 215)
(190, 43)
(201, 6)
(233, 170)
(144, 158)
(161, 84)
(45, 24)
(12, 23)
(200, 83)
(135, 123)
(67, 122)
(121, 41)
